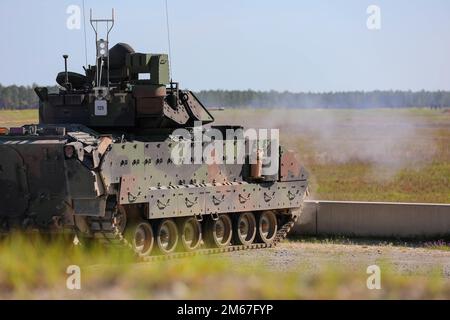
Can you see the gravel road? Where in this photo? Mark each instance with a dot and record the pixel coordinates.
(403, 258)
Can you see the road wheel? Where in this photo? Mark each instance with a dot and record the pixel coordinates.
(140, 235)
(218, 233)
(244, 229)
(167, 236)
(190, 234)
(267, 227)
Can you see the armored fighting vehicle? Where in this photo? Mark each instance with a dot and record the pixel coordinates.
(122, 155)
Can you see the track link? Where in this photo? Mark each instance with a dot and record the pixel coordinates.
(109, 234)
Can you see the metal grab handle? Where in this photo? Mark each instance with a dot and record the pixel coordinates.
(215, 216)
(218, 201)
(243, 199)
(268, 198)
(163, 205)
(198, 217)
(291, 195)
(190, 203)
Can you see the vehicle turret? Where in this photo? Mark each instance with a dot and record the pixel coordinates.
(123, 90)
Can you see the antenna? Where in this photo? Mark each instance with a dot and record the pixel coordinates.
(66, 73)
(85, 36)
(102, 47)
(168, 39)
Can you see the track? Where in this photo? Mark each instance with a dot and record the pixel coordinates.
(109, 234)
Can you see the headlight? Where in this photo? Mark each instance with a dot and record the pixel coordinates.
(69, 151)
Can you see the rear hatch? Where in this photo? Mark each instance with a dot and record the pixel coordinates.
(32, 177)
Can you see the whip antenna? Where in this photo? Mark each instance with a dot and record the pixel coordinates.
(85, 37)
(168, 39)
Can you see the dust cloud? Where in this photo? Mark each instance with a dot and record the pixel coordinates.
(388, 140)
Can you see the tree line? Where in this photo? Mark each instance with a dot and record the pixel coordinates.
(18, 97)
(24, 97)
(354, 99)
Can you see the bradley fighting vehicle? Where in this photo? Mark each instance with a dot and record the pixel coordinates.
(100, 165)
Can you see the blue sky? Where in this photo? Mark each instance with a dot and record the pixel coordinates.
(315, 45)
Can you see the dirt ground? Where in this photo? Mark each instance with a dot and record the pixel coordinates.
(404, 258)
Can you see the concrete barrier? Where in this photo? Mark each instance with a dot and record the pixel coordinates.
(374, 219)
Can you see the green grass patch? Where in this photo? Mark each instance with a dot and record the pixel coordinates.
(12, 118)
(36, 268)
(399, 155)
(441, 245)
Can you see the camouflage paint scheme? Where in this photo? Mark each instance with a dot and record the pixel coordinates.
(125, 155)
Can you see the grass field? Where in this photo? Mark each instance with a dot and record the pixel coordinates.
(13, 118)
(367, 155)
(382, 155)
(37, 269)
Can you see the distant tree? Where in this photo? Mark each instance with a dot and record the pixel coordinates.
(356, 99)
(18, 97)
(23, 97)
